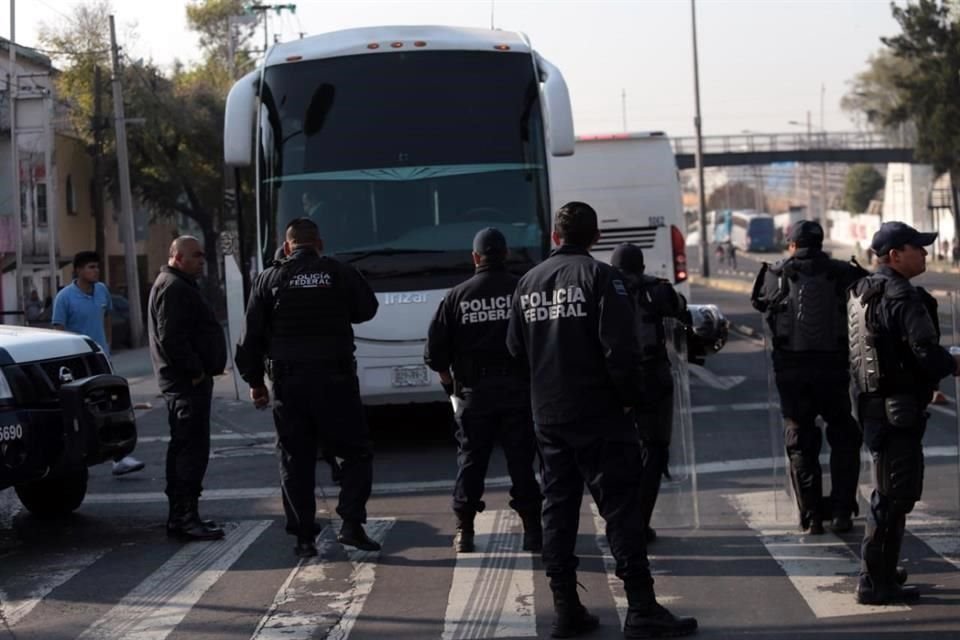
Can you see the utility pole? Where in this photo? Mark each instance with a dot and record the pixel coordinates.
(12, 88)
(50, 184)
(808, 172)
(98, 127)
(823, 165)
(263, 9)
(126, 203)
(698, 123)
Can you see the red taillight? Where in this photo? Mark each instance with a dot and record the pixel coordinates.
(679, 255)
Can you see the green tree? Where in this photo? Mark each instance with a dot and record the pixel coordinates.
(875, 95)
(735, 195)
(930, 43)
(862, 183)
(176, 154)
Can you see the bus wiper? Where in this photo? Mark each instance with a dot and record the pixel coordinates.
(387, 251)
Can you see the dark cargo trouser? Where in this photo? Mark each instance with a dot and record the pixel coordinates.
(482, 421)
(188, 414)
(898, 484)
(314, 409)
(806, 393)
(605, 453)
(654, 420)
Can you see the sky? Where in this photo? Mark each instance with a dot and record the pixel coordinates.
(763, 63)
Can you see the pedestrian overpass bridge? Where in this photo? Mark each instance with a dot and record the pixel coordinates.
(845, 147)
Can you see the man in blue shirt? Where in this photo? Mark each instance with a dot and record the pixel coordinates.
(84, 307)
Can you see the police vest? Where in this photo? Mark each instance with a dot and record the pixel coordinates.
(881, 363)
(650, 332)
(310, 301)
(808, 309)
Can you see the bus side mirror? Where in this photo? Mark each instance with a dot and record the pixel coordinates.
(238, 121)
(558, 114)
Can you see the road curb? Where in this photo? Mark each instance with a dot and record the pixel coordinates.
(723, 284)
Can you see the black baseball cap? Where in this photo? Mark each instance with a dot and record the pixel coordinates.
(893, 235)
(806, 233)
(628, 258)
(490, 243)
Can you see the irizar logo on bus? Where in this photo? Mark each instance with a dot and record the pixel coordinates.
(405, 298)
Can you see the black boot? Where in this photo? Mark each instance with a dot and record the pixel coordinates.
(463, 539)
(872, 592)
(353, 535)
(185, 523)
(572, 619)
(646, 618)
(842, 522)
(532, 530)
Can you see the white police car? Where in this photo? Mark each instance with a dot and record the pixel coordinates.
(61, 410)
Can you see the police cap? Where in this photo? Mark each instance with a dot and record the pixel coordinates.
(893, 235)
(807, 233)
(628, 258)
(490, 243)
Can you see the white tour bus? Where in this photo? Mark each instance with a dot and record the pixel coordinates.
(401, 143)
(632, 181)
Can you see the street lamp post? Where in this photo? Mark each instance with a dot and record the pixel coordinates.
(697, 123)
(809, 177)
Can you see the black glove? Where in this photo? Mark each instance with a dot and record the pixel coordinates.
(447, 388)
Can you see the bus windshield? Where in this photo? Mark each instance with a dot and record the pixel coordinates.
(400, 158)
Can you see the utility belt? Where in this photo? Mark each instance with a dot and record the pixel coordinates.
(900, 411)
(479, 375)
(285, 368)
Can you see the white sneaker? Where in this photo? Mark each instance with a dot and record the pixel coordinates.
(128, 464)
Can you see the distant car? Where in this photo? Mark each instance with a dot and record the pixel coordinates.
(120, 317)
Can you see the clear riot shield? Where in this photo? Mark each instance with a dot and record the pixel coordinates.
(936, 518)
(677, 505)
(782, 496)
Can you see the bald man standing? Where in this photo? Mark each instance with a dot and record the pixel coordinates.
(187, 347)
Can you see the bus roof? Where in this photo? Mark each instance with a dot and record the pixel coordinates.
(373, 40)
(636, 135)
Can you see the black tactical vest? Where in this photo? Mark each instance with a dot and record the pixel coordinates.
(311, 301)
(880, 362)
(650, 331)
(808, 311)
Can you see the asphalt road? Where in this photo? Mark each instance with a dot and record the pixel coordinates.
(110, 572)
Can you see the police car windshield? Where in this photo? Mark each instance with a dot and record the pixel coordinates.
(402, 157)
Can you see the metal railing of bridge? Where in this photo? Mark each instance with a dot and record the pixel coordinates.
(790, 141)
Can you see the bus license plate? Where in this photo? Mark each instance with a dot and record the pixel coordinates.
(411, 376)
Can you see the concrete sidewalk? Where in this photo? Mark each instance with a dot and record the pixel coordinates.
(135, 366)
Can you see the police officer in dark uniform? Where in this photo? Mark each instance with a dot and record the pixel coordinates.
(491, 390)
(299, 320)
(896, 362)
(655, 299)
(573, 322)
(803, 299)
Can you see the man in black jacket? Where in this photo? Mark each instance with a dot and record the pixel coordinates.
(299, 319)
(803, 299)
(187, 348)
(655, 300)
(573, 322)
(491, 391)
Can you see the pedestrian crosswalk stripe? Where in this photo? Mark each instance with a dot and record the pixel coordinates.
(305, 603)
(39, 580)
(609, 564)
(492, 595)
(937, 532)
(154, 608)
(822, 568)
